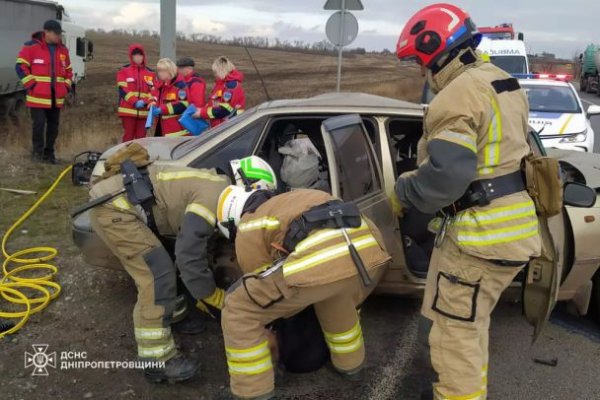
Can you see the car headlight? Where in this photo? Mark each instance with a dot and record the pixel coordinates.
(577, 138)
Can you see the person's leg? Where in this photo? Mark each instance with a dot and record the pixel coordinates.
(249, 307)
(465, 292)
(148, 263)
(38, 122)
(128, 128)
(140, 128)
(339, 320)
(53, 119)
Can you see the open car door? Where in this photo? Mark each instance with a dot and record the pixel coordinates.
(355, 174)
(542, 280)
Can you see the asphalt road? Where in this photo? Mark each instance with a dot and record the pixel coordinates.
(589, 99)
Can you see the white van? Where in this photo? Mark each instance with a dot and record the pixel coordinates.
(510, 55)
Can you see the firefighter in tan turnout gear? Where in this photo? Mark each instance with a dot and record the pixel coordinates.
(295, 251)
(153, 202)
(474, 140)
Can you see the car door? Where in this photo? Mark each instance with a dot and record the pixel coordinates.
(542, 278)
(355, 174)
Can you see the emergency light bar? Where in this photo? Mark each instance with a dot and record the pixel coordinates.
(557, 77)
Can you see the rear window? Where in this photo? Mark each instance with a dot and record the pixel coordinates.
(510, 64)
(555, 99)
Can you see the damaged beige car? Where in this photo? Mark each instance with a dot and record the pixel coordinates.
(364, 143)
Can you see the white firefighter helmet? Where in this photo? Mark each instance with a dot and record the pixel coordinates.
(230, 207)
(257, 171)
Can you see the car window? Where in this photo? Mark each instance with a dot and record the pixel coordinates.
(510, 64)
(356, 166)
(551, 99)
(186, 148)
(239, 146)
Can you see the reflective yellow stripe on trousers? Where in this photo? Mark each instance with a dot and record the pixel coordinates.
(479, 395)
(491, 152)
(250, 361)
(156, 351)
(345, 342)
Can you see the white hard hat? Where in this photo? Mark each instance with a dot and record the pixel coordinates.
(230, 207)
(258, 172)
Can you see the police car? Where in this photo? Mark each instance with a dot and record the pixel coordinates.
(557, 113)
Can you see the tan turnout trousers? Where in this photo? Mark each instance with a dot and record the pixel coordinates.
(243, 322)
(131, 241)
(460, 295)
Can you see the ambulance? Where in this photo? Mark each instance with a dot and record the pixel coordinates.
(509, 55)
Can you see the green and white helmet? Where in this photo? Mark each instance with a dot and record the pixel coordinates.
(254, 172)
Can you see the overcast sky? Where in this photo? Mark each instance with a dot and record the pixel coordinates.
(561, 27)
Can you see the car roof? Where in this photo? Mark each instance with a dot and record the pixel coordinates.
(343, 99)
(544, 82)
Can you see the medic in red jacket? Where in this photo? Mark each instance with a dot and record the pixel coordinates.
(227, 97)
(196, 84)
(135, 81)
(170, 99)
(41, 75)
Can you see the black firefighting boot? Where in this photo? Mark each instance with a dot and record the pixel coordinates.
(355, 375)
(178, 369)
(427, 394)
(191, 325)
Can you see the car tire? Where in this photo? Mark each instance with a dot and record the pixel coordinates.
(595, 300)
(582, 85)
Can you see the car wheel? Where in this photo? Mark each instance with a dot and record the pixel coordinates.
(583, 85)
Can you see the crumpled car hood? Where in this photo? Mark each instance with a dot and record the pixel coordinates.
(587, 163)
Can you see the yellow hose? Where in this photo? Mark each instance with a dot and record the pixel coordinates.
(11, 283)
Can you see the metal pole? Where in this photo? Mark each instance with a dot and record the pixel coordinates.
(168, 27)
(341, 47)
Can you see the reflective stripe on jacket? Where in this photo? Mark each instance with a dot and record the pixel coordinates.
(227, 93)
(172, 98)
(321, 258)
(43, 76)
(134, 83)
(475, 128)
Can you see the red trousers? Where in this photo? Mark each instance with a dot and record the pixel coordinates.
(134, 128)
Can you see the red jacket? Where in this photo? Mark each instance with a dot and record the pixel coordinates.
(41, 75)
(197, 89)
(227, 93)
(135, 83)
(172, 98)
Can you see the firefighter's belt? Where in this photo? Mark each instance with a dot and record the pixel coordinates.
(334, 214)
(481, 193)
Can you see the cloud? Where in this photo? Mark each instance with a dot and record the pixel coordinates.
(550, 25)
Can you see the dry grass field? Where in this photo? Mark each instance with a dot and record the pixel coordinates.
(92, 122)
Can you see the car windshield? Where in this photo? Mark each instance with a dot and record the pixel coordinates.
(187, 147)
(551, 99)
(510, 64)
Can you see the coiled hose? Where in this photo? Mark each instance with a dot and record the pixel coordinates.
(11, 284)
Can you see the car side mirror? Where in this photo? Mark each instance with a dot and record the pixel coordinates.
(579, 195)
(593, 110)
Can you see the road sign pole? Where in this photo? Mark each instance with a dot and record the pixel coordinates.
(168, 34)
(341, 48)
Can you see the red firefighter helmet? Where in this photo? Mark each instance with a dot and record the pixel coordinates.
(435, 31)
